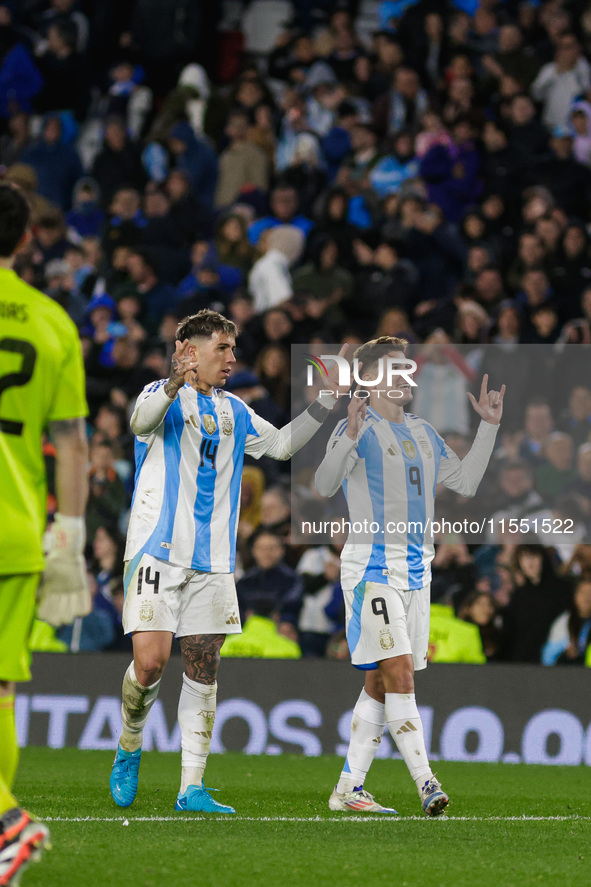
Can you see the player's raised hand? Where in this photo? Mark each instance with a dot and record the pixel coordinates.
(355, 416)
(489, 405)
(182, 363)
(338, 373)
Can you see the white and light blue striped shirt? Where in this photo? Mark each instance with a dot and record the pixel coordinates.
(389, 474)
(189, 469)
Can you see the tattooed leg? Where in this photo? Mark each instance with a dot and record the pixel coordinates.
(201, 656)
(197, 704)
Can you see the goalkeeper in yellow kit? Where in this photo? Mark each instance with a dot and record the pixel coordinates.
(41, 388)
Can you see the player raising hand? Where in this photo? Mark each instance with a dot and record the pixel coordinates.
(388, 463)
(191, 438)
(489, 405)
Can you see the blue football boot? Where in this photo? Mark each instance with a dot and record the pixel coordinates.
(124, 776)
(196, 799)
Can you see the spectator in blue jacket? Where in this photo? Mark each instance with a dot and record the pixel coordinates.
(336, 144)
(20, 80)
(197, 159)
(284, 208)
(57, 165)
(86, 217)
(224, 279)
(389, 173)
(452, 173)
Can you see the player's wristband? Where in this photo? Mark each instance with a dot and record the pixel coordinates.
(69, 522)
(68, 533)
(321, 407)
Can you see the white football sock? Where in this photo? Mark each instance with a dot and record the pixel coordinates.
(404, 724)
(197, 705)
(135, 708)
(367, 726)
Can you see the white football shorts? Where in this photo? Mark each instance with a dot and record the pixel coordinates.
(384, 622)
(162, 597)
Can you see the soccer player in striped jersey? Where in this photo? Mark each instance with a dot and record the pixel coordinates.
(191, 438)
(41, 387)
(388, 463)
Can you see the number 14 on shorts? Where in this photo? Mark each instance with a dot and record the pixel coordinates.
(148, 578)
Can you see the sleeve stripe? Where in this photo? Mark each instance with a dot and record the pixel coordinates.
(154, 386)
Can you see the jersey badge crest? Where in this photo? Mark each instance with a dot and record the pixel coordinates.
(386, 639)
(409, 448)
(424, 445)
(227, 425)
(146, 612)
(209, 423)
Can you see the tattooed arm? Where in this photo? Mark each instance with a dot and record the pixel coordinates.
(152, 405)
(201, 656)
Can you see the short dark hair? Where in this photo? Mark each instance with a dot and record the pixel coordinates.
(372, 351)
(517, 465)
(99, 439)
(147, 257)
(367, 127)
(283, 185)
(204, 324)
(67, 31)
(51, 219)
(15, 213)
(537, 402)
(237, 111)
(116, 411)
(266, 531)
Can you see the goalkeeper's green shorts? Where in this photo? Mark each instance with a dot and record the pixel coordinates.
(17, 612)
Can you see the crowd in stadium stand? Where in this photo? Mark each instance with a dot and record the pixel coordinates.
(321, 172)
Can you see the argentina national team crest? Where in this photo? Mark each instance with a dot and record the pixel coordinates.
(386, 639)
(209, 423)
(227, 425)
(146, 612)
(409, 448)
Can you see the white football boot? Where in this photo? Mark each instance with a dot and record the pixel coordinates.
(433, 798)
(357, 801)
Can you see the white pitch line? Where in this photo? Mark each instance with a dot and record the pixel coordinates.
(367, 818)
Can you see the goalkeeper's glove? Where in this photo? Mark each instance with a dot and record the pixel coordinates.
(64, 592)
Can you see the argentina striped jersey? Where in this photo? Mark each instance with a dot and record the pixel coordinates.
(389, 476)
(188, 475)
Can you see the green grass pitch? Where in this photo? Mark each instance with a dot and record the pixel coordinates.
(284, 834)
